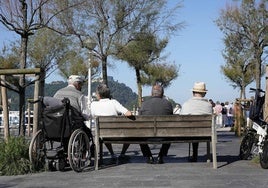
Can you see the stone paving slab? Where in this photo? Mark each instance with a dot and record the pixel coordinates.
(175, 172)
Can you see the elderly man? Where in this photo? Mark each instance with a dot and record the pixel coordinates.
(74, 94)
(77, 100)
(156, 105)
(195, 106)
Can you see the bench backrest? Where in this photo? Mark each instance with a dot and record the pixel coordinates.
(155, 126)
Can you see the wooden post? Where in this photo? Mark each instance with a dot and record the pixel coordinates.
(36, 104)
(213, 143)
(36, 73)
(5, 108)
(265, 114)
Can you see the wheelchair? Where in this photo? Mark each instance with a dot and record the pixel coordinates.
(63, 140)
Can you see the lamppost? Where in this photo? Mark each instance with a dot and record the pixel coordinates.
(90, 45)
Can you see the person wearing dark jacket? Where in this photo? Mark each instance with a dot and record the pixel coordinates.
(156, 105)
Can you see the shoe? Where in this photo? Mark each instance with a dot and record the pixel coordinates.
(150, 160)
(160, 160)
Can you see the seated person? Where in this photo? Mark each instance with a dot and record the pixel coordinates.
(105, 106)
(195, 106)
(156, 105)
(77, 100)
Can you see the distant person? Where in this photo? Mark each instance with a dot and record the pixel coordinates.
(157, 104)
(217, 110)
(195, 106)
(224, 115)
(228, 118)
(212, 103)
(230, 114)
(177, 109)
(106, 106)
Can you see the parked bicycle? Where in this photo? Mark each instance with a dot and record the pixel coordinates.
(255, 140)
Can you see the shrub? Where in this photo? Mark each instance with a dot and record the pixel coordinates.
(14, 158)
(256, 159)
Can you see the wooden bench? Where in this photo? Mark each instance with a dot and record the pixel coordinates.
(155, 129)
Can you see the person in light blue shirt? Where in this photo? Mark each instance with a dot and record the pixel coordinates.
(197, 105)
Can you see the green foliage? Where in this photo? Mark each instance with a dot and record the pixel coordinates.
(14, 159)
(63, 53)
(9, 57)
(119, 91)
(245, 29)
(256, 159)
(161, 73)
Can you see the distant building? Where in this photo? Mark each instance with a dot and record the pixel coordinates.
(14, 118)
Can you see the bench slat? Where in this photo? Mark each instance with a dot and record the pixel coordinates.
(144, 132)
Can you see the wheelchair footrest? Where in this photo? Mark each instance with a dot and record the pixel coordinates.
(54, 153)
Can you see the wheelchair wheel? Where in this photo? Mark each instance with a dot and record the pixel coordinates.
(246, 146)
(79, 150)
(37, 151)
(264, 156)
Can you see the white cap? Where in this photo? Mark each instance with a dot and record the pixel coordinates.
(75, 78)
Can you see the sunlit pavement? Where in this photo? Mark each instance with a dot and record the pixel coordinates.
(175, 172)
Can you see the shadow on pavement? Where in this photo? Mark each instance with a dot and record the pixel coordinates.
(227, 159)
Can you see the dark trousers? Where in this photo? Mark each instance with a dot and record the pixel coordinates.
(195, 150)
(145, 149)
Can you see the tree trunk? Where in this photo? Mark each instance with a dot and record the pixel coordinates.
(24, 41)
(5, 109)
(104, 71)
(243, 91)
(258, 69)
(23, 56)
(138, 77)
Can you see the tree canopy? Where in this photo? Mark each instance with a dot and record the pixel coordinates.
(245, 29)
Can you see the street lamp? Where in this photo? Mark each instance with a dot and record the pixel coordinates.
(90, 45)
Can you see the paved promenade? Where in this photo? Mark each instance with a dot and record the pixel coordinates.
(175, 172)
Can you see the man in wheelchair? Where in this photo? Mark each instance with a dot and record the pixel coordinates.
(74, 94)
(63, 139)
(78, 103)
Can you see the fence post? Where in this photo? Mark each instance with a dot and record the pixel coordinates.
(5, 108)
(36, 106)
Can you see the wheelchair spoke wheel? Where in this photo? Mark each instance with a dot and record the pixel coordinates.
(79, 150)
(37, 151)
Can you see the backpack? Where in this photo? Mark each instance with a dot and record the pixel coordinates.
(224, 110)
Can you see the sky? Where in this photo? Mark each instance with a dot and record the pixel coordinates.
(197, 49)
